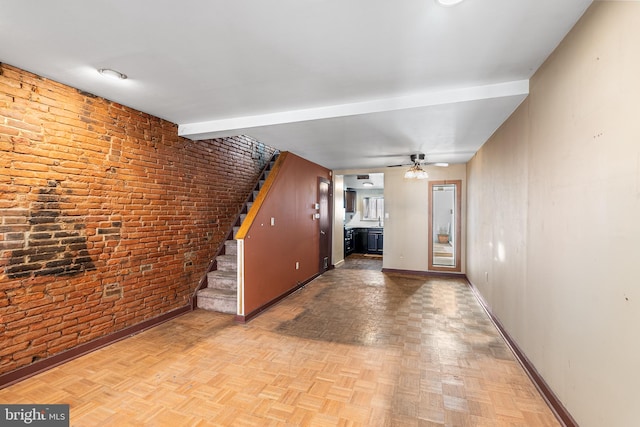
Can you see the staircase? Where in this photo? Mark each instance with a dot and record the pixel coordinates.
(221, 293)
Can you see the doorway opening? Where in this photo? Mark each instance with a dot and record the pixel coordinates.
(364, 215)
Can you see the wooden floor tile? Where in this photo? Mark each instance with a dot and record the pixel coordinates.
(355, 347)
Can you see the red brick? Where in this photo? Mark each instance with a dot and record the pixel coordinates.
(96, 162)
(30, 352)
(46, 338)
(10, 349)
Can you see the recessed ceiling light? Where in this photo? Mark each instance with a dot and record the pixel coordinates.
(112, 74)
(448, 2)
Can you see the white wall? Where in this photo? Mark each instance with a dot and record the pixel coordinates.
(554, 219)
(337, 248)
(406, 231)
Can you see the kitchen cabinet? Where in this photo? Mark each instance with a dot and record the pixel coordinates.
(375, 239)
(365, 241)
(350, 200)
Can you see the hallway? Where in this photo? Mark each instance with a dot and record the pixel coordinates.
(354, 347)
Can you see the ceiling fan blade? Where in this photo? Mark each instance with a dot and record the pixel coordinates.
(387, 156)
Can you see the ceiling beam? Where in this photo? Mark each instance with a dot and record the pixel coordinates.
(239, 125)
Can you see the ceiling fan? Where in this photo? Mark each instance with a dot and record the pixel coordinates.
(416, 171)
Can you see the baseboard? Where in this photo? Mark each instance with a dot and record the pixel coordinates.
(25, 372)
(425, 273)
(262, 308)
(556, 406)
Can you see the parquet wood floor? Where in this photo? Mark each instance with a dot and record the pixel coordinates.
(355, 347)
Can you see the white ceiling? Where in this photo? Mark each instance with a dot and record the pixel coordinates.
(344, 83)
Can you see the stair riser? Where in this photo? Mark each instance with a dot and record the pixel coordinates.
(218, 281)
(227, 265)
(231, 247)
(222, 305)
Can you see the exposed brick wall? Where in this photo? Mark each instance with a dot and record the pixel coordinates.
(107, 217)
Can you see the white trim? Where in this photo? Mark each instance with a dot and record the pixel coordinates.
(240, 261)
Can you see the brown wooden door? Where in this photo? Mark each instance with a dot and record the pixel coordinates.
(324, 222)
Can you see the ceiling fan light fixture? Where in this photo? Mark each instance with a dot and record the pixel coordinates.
(447, 3)
(416, 172)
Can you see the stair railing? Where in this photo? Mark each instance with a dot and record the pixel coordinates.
(203, 283)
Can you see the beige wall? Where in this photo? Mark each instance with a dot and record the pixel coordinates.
(554, 219)
(406, 202)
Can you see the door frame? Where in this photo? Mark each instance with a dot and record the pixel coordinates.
(458, 226)
(325, 220)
